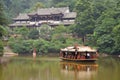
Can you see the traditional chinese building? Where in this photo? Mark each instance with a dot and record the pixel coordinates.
(50, 16)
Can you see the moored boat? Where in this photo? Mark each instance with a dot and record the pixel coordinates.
(78, 54)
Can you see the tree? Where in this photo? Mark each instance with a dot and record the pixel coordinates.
(103, 37)
(33, 34)
(2, 31)
(60, 29)
(1, 43)
(61, 4)
(23, 31)
(59, 33)
(21, 46)
(116, 33)
(38, 5)
(85, 21)
(105, 43)
(56, 1)
(3, 20)
(45, 32)
(41, 46)
(1, 48)
(102, 34)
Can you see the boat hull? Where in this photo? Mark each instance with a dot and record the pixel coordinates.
(79, 60)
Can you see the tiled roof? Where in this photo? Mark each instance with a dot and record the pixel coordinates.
(80, 49)
(22, 16)
(70, 15)
(49, 11)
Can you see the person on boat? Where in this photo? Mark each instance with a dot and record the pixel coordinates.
(88, 55)
(66, 55)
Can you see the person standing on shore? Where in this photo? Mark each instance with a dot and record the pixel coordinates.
(34, 53)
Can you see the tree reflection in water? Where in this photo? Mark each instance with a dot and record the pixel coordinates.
(79, 70)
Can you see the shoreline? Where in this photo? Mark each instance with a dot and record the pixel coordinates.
(8, 52)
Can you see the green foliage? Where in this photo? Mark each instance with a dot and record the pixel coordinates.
(97, 23)
(38, 5)
(60, 29)
(23, 31)
(2, 31)
(108, 20)
(105, 43)
(64, 3)
(45, 32)
(1, 48)
(3, 20)
(33, 34)
(85, 18)
(21, 46)
(116, 33)
(41, 46)
(14, 7)
(35, 6)
(61, 33)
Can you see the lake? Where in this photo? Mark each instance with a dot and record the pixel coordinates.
(27, 68)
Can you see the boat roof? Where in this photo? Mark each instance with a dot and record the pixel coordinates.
(79, 49)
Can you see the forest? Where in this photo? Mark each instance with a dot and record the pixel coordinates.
(97, 25)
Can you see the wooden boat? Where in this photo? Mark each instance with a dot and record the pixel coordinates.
(78, 54)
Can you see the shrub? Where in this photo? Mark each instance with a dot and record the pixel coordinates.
(22, 46)
(1, 48)
(34, 34)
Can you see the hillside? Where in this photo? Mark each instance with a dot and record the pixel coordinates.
(97, 22)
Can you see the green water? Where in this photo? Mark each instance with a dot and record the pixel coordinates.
(26, 68)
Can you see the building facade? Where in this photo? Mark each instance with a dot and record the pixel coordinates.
(50, 16)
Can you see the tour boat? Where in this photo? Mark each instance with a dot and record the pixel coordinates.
(79, 53)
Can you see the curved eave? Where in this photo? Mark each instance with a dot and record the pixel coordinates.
(15, 19)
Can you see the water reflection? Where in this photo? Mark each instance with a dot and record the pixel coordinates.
(52, 69)
(29, 69)
(83, 71)
(1, 72)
